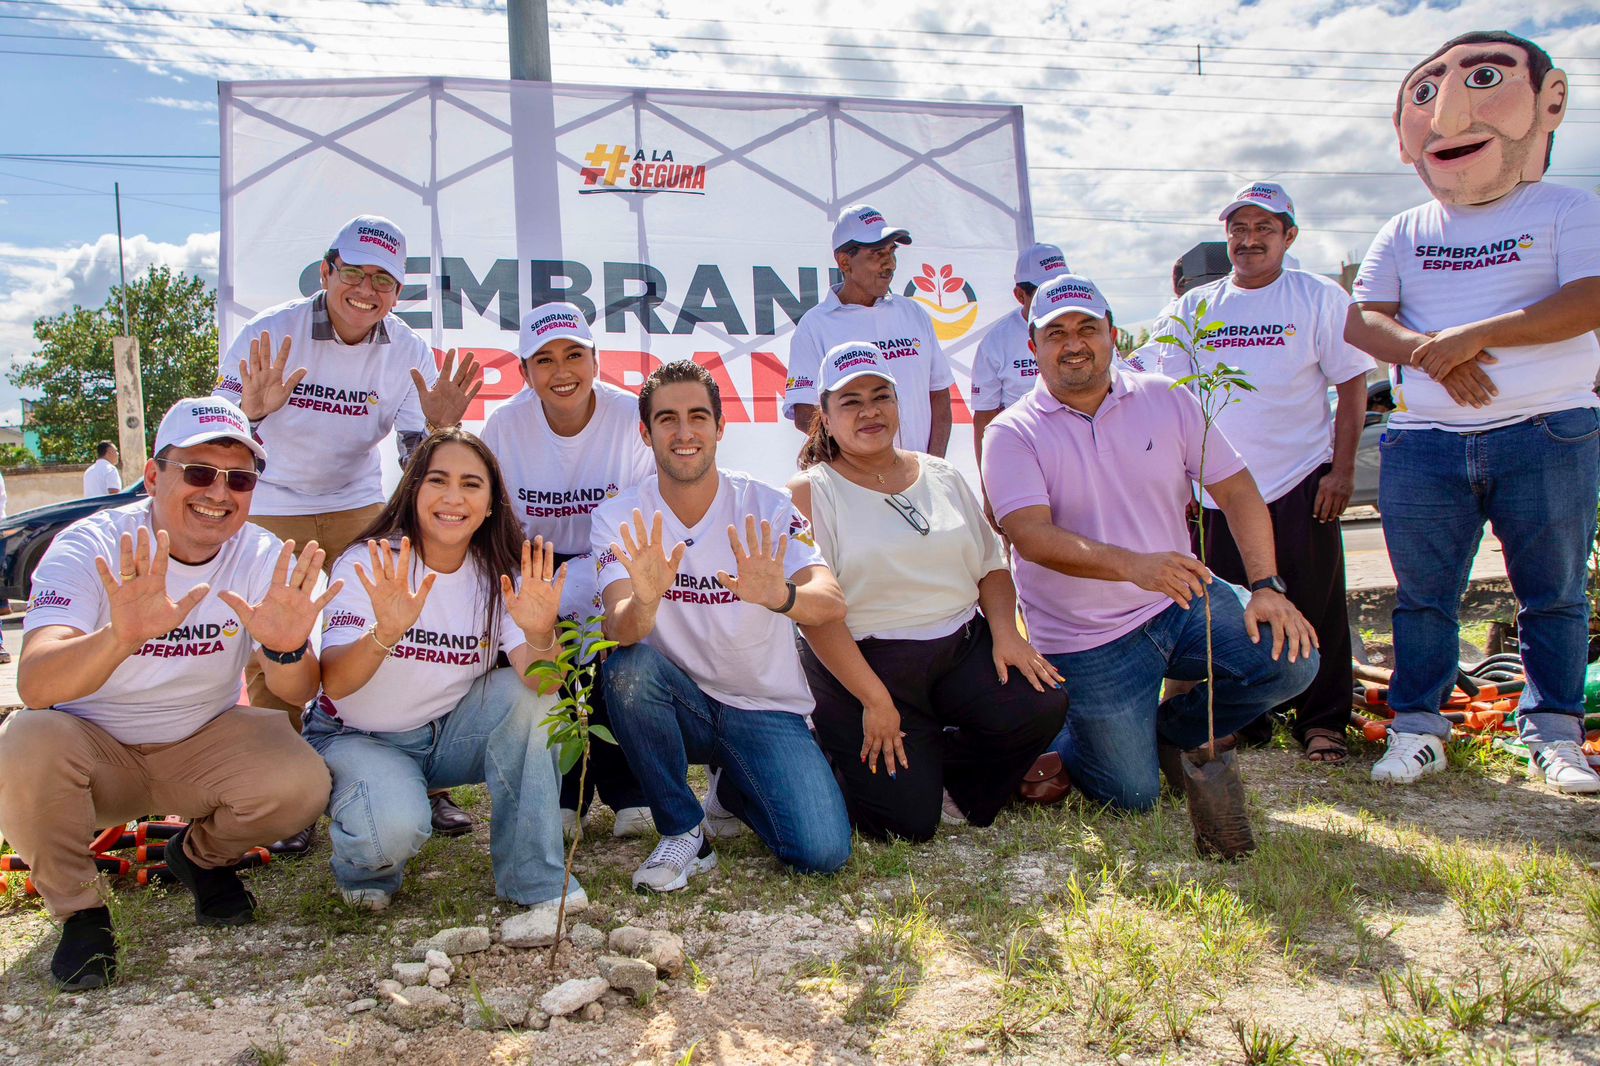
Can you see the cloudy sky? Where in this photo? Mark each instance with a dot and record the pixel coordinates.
(1132, 144)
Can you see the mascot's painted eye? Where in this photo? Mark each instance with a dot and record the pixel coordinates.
(1484, 78)
(1424, 92)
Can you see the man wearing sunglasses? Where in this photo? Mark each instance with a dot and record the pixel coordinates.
(324, 380)
(141, 622)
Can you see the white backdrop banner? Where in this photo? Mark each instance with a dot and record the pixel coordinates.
(687, 224)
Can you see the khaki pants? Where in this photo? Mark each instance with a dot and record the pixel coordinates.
(333, 533)
(244, 779)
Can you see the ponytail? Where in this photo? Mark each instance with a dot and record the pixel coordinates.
(820, 447)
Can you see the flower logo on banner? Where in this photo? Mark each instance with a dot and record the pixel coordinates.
(948, 298)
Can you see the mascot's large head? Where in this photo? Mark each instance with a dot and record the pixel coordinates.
(1479, 116)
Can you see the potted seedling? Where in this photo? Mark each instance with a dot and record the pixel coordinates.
(1215, 793)
(575, 668)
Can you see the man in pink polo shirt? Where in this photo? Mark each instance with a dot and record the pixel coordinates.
(1089, 477)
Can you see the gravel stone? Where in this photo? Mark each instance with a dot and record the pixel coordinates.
(572, 995)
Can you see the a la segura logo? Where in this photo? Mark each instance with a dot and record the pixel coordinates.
(613, 168)
(948, 298)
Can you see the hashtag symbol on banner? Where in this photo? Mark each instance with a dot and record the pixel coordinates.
(607, 160)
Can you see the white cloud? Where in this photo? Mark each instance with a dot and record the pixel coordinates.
(182, 105)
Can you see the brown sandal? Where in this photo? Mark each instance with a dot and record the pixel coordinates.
(1326, 746)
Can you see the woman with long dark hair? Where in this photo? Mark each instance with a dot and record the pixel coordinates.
(411, 698)
(929, 641)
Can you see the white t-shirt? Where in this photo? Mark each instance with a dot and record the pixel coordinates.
(738, 653)
(904, 334)
(899, 584)
(1288, 338)
(556, 482)
(1004, 370)
(1447, 265)
(175, 683)
(101, 479)
(437, 659)
(322, 446)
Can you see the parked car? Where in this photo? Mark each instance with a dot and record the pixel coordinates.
(1380, 401)
(25, 536)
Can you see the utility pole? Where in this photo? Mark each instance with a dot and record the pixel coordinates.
(130, 388)
(530, 39)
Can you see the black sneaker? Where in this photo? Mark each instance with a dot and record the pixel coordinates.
(87, 954)
(220, 897)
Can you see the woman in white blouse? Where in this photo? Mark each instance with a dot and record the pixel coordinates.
(928, 674)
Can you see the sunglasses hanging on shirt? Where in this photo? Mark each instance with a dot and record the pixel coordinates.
(907, 510)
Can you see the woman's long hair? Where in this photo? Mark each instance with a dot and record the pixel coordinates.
(820, 447)
(496, 546)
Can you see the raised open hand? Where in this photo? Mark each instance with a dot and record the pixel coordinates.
(649, 566)
(264, 389)
(446, 403)
(536, 603)
(395, 607)
(761, 579)
(283, 620)
(141, 610)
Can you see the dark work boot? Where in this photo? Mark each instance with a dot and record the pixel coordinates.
(220, 897)
(448, 819)
(86, 957)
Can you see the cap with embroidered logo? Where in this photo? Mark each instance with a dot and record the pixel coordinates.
(1064, 293)
(864, 224)
(552, 322)
(372, 240)
(1267, 195)
(205, 420)
(850, 360)
(1039, 264)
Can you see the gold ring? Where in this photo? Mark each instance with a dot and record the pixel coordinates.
(126, 576)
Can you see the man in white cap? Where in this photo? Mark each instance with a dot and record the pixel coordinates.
(1089, 476)
(861, 307)
(142, 620)
(1004, 370)
(1285, 329)
(361, 374)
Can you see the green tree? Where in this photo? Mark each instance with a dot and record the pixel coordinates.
(173, 314)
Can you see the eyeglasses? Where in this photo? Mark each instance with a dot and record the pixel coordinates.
(907, 510)
(354, 276)
(202, 476)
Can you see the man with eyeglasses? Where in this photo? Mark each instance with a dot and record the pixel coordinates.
(141, 622)
(359, 373)
(861, 307)
(1285, 329)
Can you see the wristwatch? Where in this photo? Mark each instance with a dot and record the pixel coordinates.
(1275, 583)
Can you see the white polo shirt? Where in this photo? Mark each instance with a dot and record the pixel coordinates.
(1004, 369)
(174, 683)
(904, 334)
(324, 441)
(101, 479)
(1448, 264)
(1288, 338)
(738, 653)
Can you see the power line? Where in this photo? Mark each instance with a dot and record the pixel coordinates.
(1174, 222)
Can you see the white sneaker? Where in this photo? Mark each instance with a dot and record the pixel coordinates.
(721, 823)
(675, 860)
(569, 823)
(633, 822)
(1409, 757)
(950, 814)
(577, 900)
(1563, 767)
(366, 899)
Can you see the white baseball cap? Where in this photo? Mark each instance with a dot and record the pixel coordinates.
(203, 419)
(1064, 293)
(552, 322)
(1267, 195)
(1039, 264)
(864, 224)
(372, 240)
(850, 360)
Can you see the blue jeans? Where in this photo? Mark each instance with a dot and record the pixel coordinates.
(773, 774)
(1115, 714)
(379, 804)
(1537, 482)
